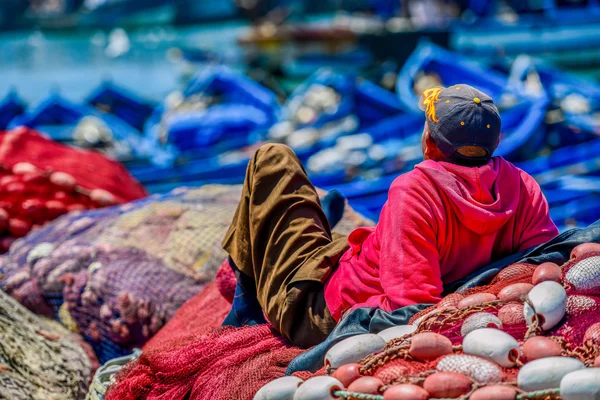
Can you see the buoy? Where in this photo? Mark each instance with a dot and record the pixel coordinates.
(546, 373)
(597, 362)
(102, 197)
(496, 392)
(366, 384)
(429, 346)
(477, 368)
(406, 392)
(279, 389)
(492, 344)
(511, 314)
(450, 300)
(547, 271)
(592, 333)
(396, 332)
(515, 292)
(478, 321)
(347, 373)
(353, 349)
(583, 384)
(584, 276)
(18, 227)
(584, 248)
(24, 168)
(476, 299)
(447, 385)
(540, 347)
(318, 388)
(62, 179)
(549, 300)
(577, 305)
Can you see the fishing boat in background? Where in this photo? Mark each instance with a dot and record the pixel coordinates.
(126, 105)
(83, 126)
(10, 107)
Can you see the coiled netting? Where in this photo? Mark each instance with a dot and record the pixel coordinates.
(235, 362)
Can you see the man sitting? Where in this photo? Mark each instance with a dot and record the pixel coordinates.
(453, 213)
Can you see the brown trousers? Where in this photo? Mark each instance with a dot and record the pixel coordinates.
(281, 238)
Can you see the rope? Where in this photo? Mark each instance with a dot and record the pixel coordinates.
(538, 394)
(355, 395)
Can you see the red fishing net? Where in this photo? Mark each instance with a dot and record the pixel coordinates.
(235, 363)
(41, 180)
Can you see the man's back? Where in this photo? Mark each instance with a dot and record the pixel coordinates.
(441, 222)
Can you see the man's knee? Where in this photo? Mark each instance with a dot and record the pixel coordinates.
(272, 153)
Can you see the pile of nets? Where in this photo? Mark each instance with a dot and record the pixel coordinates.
(117, 275)
(41, 180)
(39, 358)
(225, 363)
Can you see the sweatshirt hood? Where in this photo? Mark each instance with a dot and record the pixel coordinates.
(483, 198)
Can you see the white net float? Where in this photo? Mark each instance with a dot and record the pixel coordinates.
(477, 368)
(549, 302)
(494, 345)
(546, 373)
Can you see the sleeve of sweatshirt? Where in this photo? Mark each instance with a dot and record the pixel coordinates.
(409, 259)
(537, 226)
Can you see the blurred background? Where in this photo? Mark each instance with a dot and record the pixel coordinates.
(182, 91)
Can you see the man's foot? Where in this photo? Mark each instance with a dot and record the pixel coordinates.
(333, 204)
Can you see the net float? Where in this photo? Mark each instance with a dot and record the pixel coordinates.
(546, 373)
(55, 207)
(18, 227)
(353, 349)
(515, 292)
(366, 384)
(406, 392)
(347, 373)
(429, 346)
(279, 389)
(549, 301)
(447, 385)
(3, 219)
(495, 392)
(511, 314)
(584, 275)
(437, 310)
(597, 362)
(63, 180)
(102, 197)
(476, 299)
(547, 271)
(477, 368)
(24, 168)
(577, 305)
(540, 347)
(583, 384)
(318, 388)
(593, 333)
(492, 344)
(450, 300)
(15, 188)
(396, 332)
(584, 248)
(478, 321)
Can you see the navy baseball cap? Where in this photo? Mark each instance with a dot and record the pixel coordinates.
(461, 118)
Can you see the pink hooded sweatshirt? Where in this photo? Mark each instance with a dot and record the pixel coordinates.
(441, 222)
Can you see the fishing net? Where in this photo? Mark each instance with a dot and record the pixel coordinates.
(40, 359)
(41, 180)
(235, 363)
(116, 275)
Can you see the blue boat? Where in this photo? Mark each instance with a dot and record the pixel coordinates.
(128, 106)
(10, 107)
(84, 126)
(220, 110)
(359, 106)
(522, 115)
(565, 32)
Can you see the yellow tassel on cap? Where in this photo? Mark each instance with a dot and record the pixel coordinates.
(477, 100)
